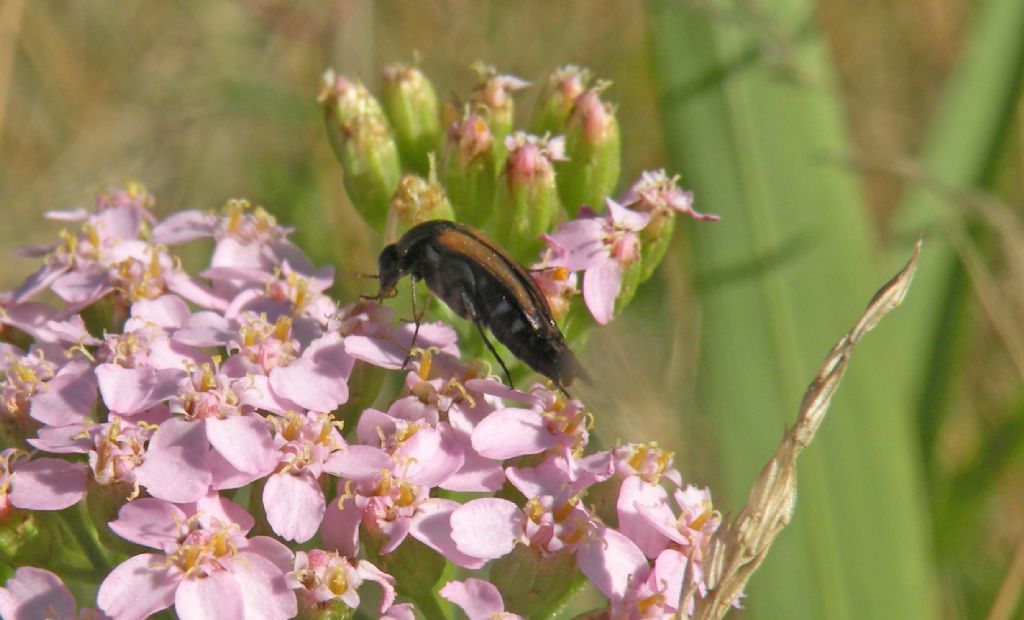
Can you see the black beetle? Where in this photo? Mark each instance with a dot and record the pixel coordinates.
(480, 282)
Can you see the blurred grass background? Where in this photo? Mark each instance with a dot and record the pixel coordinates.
(828, 135)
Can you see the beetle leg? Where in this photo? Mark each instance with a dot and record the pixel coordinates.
(416, 319)
(471, 311)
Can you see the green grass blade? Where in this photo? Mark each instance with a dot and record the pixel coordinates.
(961, 153)
(786, 270)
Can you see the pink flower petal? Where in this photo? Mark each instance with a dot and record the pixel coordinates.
(176, 473)
(487, 528)
(39, 281)
(376, 351)
(226, 475)
(633, 494)
(601, 287)
(62, 439)
(610, 561)
(626, 219)
(265, 594)
(137, 588)
(47, 484)
(318, 380)
(358, 462)
(150, 522)
(245, 442)
(582, 241)
(431, 525)
(218, 595)
(430, 456)
(214, 509)
(168, 311)
(69, 397)
(294, 505)
(400, 612)
(340, 529)
(479, 599)
(274, 550)
(372, 424)
(181, 284)
(205, 329)
(34, 593)
(130, 390)
(184, 226)
(72, 331)
(81, 288)
(508, 433)
(669, 571)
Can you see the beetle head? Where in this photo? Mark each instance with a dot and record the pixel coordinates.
(389, 269)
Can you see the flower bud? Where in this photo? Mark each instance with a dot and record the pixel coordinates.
(528, 197)
(411, 105)
(592, 148)
(492, 98)
(564, 85)
(532, 585)
(362, 142)
(471, 170)
(417, 200)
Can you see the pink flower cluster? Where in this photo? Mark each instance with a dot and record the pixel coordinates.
(180, 395)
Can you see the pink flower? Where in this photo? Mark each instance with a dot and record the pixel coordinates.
(553, 519)
(324, 577)
(292, 497)
(479, 599)
(214, 441)
(35, 594)
(556, 282)
(79, 268)
(115, 448)
(657, 193)
(388, 489)
(601, 247)
(551, 423)
(23, 377)
(204, 564)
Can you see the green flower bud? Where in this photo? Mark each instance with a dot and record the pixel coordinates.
(411, 105)
(492, 98)
(528, 197)
(417, 200)
(532, 585)
(471, 170)
(564, 85)
(362, 142)
(592, 146)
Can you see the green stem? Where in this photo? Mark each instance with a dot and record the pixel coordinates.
(85, 536)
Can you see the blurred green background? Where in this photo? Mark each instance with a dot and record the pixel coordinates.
(828, 135)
